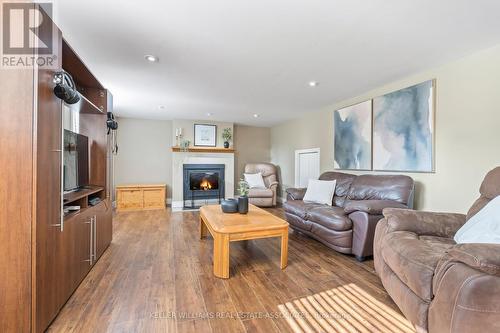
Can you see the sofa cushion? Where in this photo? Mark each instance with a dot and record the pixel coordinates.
(299, 208)
(373, 207)
(330, 217)
(340, 241)
(414, 259)
(261, 202)
(260, 193)
(344, 181)
(298, 222)
(382, 187)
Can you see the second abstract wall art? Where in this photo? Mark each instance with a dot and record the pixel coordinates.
(393, 132)
(403, 129)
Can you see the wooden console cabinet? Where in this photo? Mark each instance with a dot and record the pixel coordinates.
(140, 197)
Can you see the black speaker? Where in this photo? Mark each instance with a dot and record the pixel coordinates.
(112, 125)
(111, 122)
(65, 88)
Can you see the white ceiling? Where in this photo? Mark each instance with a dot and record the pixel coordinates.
(234, 58)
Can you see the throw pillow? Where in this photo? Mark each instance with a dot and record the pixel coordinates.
(320, 191)
(254, 180)
(484, 227)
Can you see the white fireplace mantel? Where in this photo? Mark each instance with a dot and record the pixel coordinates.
(181, 158)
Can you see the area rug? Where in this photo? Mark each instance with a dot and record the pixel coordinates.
(344, 309)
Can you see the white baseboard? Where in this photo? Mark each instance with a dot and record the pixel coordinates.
(179, 204)
(176, 204)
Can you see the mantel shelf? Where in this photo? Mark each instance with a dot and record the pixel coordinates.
(177, 149)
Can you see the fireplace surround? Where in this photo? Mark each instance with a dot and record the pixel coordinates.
(179, 159)
(201, 183)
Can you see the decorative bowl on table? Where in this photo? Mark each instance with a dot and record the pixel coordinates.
(229, 205)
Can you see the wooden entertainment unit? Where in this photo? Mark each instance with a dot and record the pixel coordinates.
(45, 254)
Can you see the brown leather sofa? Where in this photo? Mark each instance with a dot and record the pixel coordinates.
(440, 286)
(263, 197)
(348, 226)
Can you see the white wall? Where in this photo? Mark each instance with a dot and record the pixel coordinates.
(144, 154)
(188, 129)
(467, 132)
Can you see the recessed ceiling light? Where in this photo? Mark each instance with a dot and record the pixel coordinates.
(161, 107)
(209, 114)
(255, 115)
(313, 83)
(151, 58)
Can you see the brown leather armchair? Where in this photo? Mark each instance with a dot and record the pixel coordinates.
(348, 225)
(263, 197)
(440, 286)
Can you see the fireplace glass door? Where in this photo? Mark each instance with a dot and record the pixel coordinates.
(203, 184)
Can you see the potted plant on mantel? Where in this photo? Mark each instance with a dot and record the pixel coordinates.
(243, 198)
(227, 135)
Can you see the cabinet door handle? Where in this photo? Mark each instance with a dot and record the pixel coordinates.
(95, 237)
(61, 175)
(91, 222)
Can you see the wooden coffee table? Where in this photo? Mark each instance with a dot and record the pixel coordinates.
(226, 228)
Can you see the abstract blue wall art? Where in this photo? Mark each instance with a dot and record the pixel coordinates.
(403, 129)
(353, 137)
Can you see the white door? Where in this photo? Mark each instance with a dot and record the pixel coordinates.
(306, 166)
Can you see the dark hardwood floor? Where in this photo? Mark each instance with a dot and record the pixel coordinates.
(157, 277)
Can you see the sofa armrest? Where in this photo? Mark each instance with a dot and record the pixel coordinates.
(423, 223)
(372, 207)
(363, 233)
(465, 298)
(296, 193)
(273, 185)
(483, 257)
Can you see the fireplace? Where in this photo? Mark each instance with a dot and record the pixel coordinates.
(203, 183)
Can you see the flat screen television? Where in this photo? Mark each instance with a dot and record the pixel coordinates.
(76, 161)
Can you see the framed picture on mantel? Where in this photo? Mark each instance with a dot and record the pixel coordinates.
(205, 135)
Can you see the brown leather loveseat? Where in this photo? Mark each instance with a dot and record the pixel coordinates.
(440, 286)
(348, 226)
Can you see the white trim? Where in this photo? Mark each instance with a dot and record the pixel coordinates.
(303, 151)
(177, 204)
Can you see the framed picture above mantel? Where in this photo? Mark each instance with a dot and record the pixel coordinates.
(205, 135)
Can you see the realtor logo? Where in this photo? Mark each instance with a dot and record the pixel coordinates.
(27, 35)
